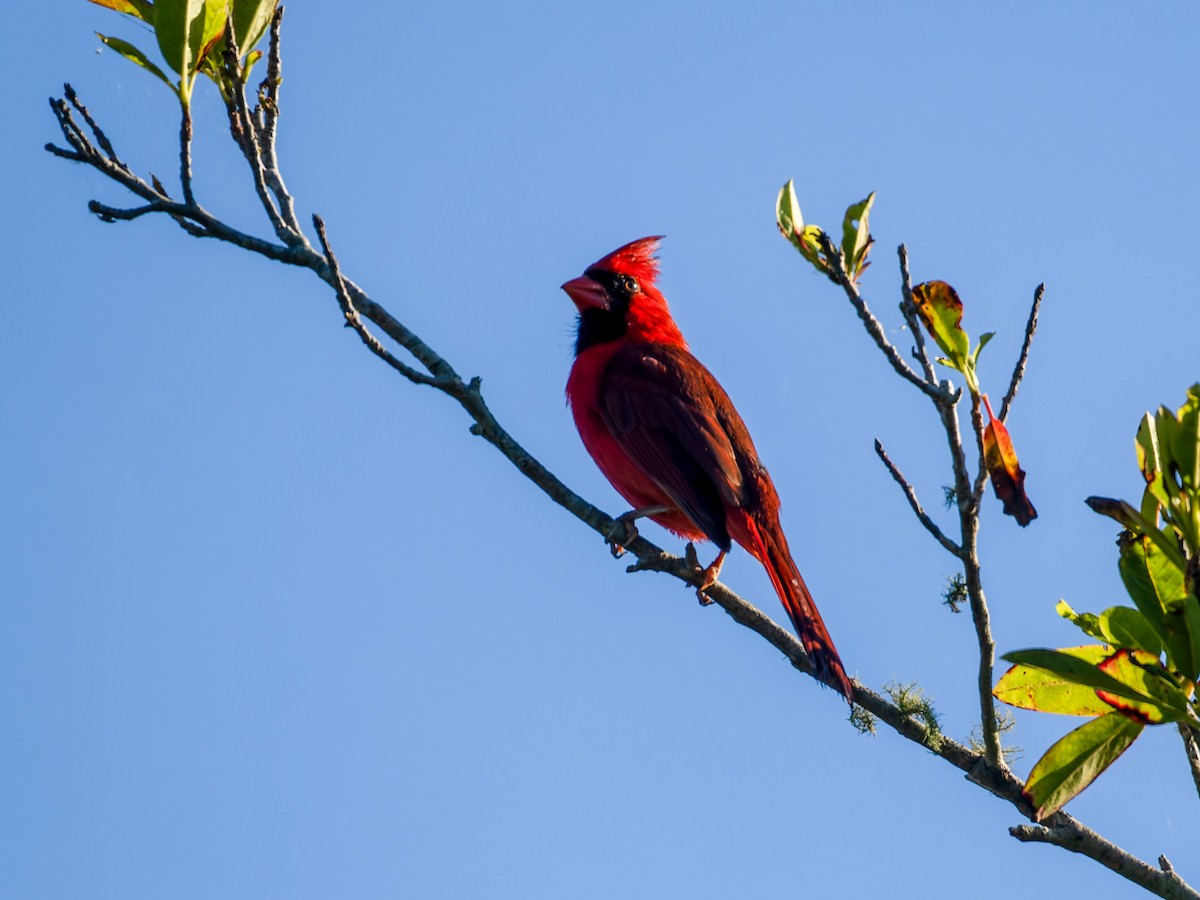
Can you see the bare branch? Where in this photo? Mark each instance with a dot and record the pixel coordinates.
(101, 137)
(922, 516)
(908, 309)
(267, 115)
(113, 213)
(1019, 369)
(354, 320)
(1071, 835)
(838, 273)
(981, 470)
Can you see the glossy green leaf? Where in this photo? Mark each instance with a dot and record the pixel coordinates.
(1123, 626)
(216, 17)
(787, 212)
(1155, 581)
(805, 238)
(1145, 673)
(139, 9)
(250, 21)
(1077, 670)
(1075, 761)
(1150, 457)
(1038, 689)
(1190, 614)
(133, 54)
(172, 26)
(856, 236)
(1186, 446)
(186, 31)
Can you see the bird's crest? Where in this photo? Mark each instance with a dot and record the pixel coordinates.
(636, 258)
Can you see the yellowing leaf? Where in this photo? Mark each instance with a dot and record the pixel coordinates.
(941, 312)
(139, 9)
(1027, 687)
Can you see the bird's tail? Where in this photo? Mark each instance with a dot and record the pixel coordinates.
(793, 593)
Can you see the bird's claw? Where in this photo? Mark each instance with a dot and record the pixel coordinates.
(708, 574)
(621, 535)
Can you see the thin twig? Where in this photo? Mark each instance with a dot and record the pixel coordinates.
(354, 320)
(981, 470)
(101, 137)
(922, 516)
(269, 119)
(1019, 369)
(837, 272)
(908, 309)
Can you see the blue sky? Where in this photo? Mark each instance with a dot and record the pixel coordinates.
(276, 625)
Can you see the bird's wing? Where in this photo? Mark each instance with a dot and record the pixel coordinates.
(672, 417)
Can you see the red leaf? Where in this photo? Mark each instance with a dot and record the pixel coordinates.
(1008, 478)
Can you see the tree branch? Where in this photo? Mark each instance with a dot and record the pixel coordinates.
(908, 309)
(839, 275)
(922, 516)
(1019, 370)
(1078, 838)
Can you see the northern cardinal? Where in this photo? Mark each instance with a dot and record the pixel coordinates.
(667, 436)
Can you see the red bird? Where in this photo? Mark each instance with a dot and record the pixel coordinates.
(667, 436)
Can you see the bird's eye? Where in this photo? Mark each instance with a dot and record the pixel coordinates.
(629, 283)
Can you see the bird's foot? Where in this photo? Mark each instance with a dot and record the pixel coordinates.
(708, 574)
(624, 531)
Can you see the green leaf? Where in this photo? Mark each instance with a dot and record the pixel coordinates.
(1145, 673)
(1190, 613)
(1150, 458)
(805, 238)
(250, 21)
(1186, 445)
(1077, 670)
(856, 236)
(1088, 623)
(1122, 626)
(1038, 689)
(983, 342)
(186, 31)
(133, 54)
(1155, 583)
(1132, 520)
(787, 212)
(172, 26)
(1076, 760)
(139, 9)
(216, 17)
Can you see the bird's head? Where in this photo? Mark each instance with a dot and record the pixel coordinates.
(617, 298)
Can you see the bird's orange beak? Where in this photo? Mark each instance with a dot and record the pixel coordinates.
(586, 293)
